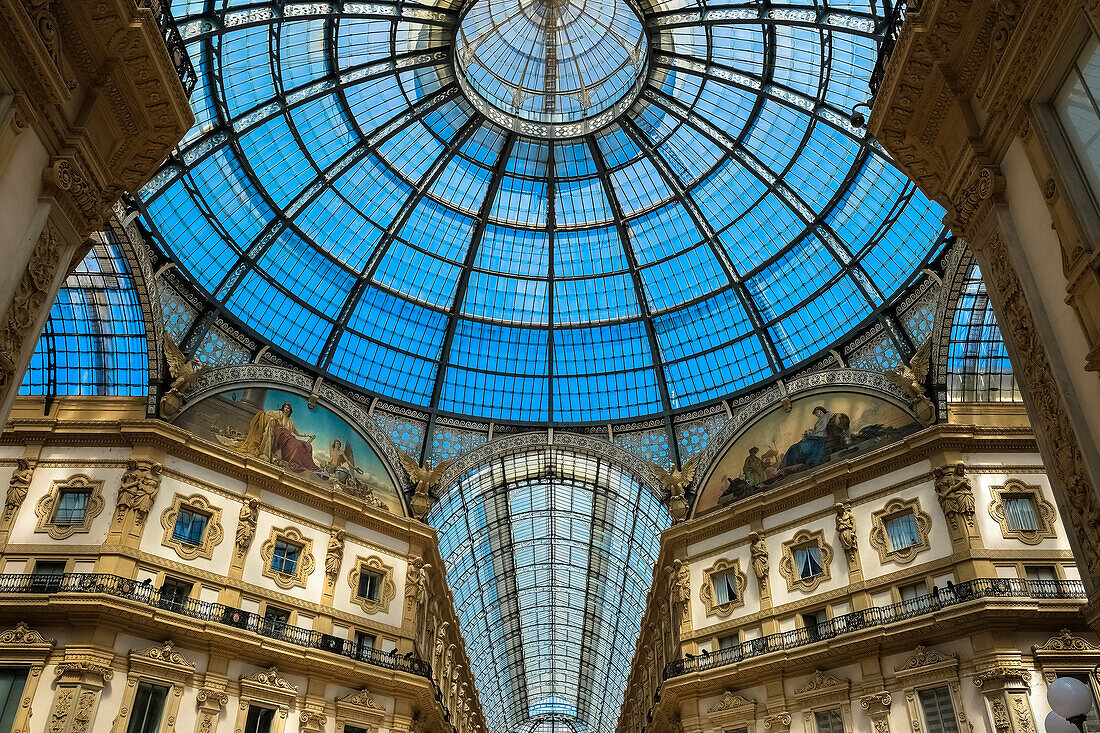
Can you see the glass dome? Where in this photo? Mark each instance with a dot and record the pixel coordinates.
(431, 236)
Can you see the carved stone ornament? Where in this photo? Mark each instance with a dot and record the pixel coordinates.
(166, 653)
(805, 538)
(676, 483)
(246, 525)
(1066, 642)
(1004, 674)
(18, 486)
(335, 556)
(416, 587)
(758, 553)
(707, 593)
(138, 490)
(23, 635)
(731, 701)
(208, 698)
(303, 568)
(185, 373)
(880, 538)
(387, 590)
(924, 657)
(211, 537)
(46, 508)
(270, 677)
(956, 495)
(910, 379)
(877, 704)
(29, 299)
(81, 668)
(821, 681)
(361, 699)
(421, 479)
(1045, 512)
(778, 721)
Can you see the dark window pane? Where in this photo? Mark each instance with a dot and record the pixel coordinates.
(939, 713)
(190, 526)
(12, 681)
(70, 507)
(258, 720)
(148, 707)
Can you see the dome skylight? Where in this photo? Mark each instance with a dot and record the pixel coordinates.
(365, 191)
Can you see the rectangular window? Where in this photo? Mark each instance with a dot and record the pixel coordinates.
(354, 729)
(1020, 513)
(12, 681)
(47, 576)
(190, 526)
(939, 713)
(727, 642)
(912, 592)
(369, 585)
(725, 587)
(285, 557)
(71, 506)
(148, 707)
(1077, 106)
(829, 721)
(175, 593)
(275, 621)
(902, 531)
(259, 719)
(1041, 573)
(808, 561)
(364, 643)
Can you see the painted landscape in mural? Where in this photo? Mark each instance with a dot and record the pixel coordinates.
(819, 429)
(279, 427)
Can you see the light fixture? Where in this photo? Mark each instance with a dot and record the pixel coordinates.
(1055, 723)
(1071, 700)
(857, 118)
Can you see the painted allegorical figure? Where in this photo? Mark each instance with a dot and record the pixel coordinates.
(272, 436)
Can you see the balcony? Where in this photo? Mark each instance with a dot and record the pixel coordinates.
(954, 595)
(177, 51)
(147, 595)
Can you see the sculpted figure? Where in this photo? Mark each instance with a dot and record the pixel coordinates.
(956, 494)
(138, 489)
(910, 378)
(246, 525)
(676, 483)
(846, 527)
(416, 585)
(758, 552)
(422, 480)
(185, 372)
(17, 487)
(335, 555)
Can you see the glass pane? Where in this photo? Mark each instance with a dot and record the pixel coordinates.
(12, 680)
(1076, 107)
(939, 713)
(70, 507)
(902, 532)
(148, 707)
(1020, 514)
(829, 721)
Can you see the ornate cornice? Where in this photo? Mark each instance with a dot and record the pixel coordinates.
(1066, 642)
(23, 635)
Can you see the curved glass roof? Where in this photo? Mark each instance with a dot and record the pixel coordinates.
(550, 555)
(344, 199)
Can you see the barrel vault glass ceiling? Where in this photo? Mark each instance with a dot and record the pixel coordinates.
(550, 556)
(541, 211)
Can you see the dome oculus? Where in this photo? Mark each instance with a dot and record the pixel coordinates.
(552, 68)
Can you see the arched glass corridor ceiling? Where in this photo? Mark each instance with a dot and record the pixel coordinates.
(550, 555)
(341, 197)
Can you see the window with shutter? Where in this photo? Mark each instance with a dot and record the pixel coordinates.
(939, 712)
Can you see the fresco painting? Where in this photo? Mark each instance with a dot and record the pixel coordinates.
(819, 429)
(280, 428)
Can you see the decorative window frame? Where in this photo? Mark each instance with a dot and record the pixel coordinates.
(823, 692)
(1068, 653)
(159, 665)
(880, 539)
(212, 535)
(22, 646)
(733, 711)
(706, 591)
(359, 709)
(48, 503)
(925, 669)
(786, 564)
(386, 592)
(306, 564)
(266, 688)
(1045, 514)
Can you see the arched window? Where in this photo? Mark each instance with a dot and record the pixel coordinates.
(978, 369)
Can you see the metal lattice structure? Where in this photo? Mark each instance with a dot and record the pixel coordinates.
(342, 199)
(978, 369)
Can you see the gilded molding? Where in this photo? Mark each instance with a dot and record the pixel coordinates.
(707, 593)
(1045, 513)
(212, 534)
(879, 537)
(47, 506)
(303, 568)
(786, 564)
(387, 590)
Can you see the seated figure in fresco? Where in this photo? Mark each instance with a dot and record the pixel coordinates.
(273, 437)
(829, 433)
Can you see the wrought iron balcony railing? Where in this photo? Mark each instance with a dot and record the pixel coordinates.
(895, 16)
(879, 616)
(113, 585)
(173, 41)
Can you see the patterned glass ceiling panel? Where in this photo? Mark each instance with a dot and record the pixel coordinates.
(549, 554)
(571, 225)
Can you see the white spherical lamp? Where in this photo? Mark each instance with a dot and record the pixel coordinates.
(1055, 723)
(1069, 697)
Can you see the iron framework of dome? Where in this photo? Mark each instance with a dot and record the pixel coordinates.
(343, 199)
